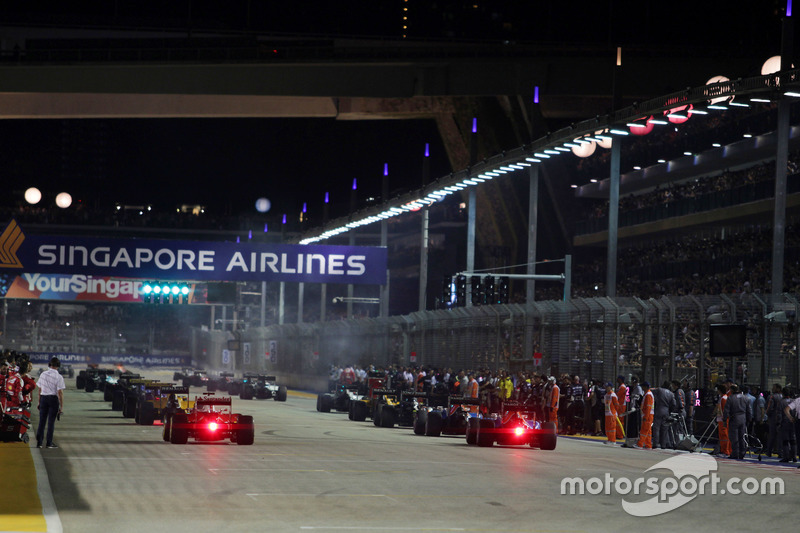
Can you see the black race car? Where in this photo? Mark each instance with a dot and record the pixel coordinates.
(261, 387)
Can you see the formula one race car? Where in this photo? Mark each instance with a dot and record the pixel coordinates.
(362, 406)
(451, 419)
(190, 377)
(93, 378)
(339, 399)
(115, 383)
(224, 382)
(153, 402)
(211, 420)
(391, 408)
(65, 370)
(515, 424)
(261, 387)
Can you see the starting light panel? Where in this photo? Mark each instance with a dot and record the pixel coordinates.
(158, 292)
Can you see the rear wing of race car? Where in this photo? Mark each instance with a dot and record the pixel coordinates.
(156, 386)
(414, 394)
(174, 389)
(139, 382)
(226, 374)
(267, 378)
(462, 400)
(377, 393)
(508, 406)
(212, 400)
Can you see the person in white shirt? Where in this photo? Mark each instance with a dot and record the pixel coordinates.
(51, 402)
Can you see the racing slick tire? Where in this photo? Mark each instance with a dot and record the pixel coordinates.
(376, 415)
(212, 386)
(420, 417)
(179, 433)
(472, 430)
(129, 407)
(176, 376)
(246, 394)
(350, 409)
(117, 398)
(547, 440)
(359, 411)
(246, 436)
(147, 414)
(90, 385)
(433, 424)
(485, 436)
(80, 381)
(165, 434)
(325, 403)
(108, 394)
(280, 396)
(387, 416)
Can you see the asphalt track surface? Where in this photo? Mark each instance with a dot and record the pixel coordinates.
(311, 471)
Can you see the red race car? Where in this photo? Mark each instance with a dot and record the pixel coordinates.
(210, 420)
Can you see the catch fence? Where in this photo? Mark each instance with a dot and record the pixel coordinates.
(596, 338)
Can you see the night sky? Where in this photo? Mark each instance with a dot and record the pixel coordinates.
(224, 164)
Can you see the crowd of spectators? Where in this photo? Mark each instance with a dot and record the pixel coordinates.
(737, 261)
(694, 188)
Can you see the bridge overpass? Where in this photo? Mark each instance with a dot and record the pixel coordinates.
(91, 75)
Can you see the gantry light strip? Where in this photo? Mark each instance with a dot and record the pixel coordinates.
(547, 147)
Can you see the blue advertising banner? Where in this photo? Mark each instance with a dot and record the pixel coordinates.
(190, 260)
(78, 359)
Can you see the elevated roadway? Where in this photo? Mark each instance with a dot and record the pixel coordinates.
(121, 78)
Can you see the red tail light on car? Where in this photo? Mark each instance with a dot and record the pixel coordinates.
(212, 426)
